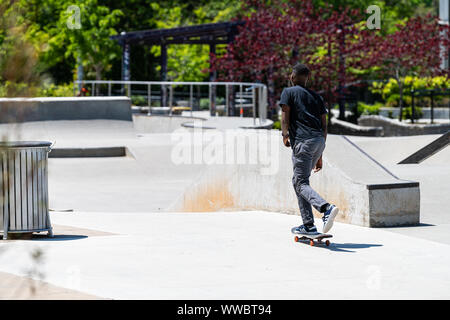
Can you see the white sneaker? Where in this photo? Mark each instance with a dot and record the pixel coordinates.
(328, 218)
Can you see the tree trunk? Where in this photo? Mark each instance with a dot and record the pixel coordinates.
(98, 76)
(400, 88)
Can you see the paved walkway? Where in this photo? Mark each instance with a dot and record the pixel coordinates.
(118, 244)
(231, 255)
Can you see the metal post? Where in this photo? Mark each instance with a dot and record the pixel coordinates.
(432, 106)
(241, 111)
(253, 105)
(109, 89)
(149, 97)
(93, 88)
(413, 112)
(212, 78)
(191, 98)
(209, 95)
(227, 100)
(125, 62)
(171, 98)
(129, 89)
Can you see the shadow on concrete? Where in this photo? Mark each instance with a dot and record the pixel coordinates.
(44, 237)
(411, 226)
(344, 247)
(58, 237)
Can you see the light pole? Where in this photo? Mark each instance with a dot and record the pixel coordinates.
(444, 17)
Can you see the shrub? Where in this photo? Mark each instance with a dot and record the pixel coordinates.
(407, 113)
(277, 125)
(367, 109)
(204, 104)
(139, 101)
(53, 90)
(389, 90)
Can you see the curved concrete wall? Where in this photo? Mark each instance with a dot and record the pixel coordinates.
(394, 128)
(367, 194)
(438, 113)
(348, 128)
(15, 110)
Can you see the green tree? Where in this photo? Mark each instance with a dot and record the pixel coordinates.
(18, 57)
(91, 43)
(190, 62)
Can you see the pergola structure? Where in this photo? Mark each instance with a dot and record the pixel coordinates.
(210, 34)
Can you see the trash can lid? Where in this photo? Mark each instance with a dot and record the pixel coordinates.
(24, 144)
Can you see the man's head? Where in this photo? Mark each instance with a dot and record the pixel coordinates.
(300, 74)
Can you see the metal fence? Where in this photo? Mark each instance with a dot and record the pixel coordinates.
(239, 97)
(432, 94)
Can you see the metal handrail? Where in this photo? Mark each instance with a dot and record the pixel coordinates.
(253, 87)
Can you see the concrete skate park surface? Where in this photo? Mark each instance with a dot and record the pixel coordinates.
(129, 248)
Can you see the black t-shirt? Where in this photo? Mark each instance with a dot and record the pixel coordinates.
(306, 110)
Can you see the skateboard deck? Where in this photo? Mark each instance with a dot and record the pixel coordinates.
(319, 237)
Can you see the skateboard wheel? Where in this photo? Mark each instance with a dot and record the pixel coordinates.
(296, 239)
(327, 242)
(311, 243)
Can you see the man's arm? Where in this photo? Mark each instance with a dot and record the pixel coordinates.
(285, 124)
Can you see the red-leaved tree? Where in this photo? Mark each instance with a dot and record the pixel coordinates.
(334, 42)
(275, 36)
(416, 48)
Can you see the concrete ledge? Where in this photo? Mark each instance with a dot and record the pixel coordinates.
(88, 152)
(16, 110)
(393, 127)
(348, 128)
(366, 193)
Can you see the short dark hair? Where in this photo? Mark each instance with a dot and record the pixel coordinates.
(301, 70)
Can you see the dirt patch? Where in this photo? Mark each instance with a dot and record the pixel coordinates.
(208, 198)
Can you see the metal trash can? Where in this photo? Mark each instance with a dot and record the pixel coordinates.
(24, 187)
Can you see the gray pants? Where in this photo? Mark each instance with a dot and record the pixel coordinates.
(304, 157)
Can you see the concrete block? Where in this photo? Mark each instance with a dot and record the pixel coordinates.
(15, 110)
(366, 193)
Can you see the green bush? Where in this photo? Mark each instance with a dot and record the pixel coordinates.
(9, 89)
(390, 93)
(139, 101)
(407, 113)
(52, 90)
(367, 109)
(204, 104)
(277, 125)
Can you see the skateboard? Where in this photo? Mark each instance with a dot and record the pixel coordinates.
(319, 237)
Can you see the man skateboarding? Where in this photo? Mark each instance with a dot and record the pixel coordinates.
(304, 128)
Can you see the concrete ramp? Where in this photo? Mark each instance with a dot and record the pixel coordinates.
(366, 192)
(429, 150)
